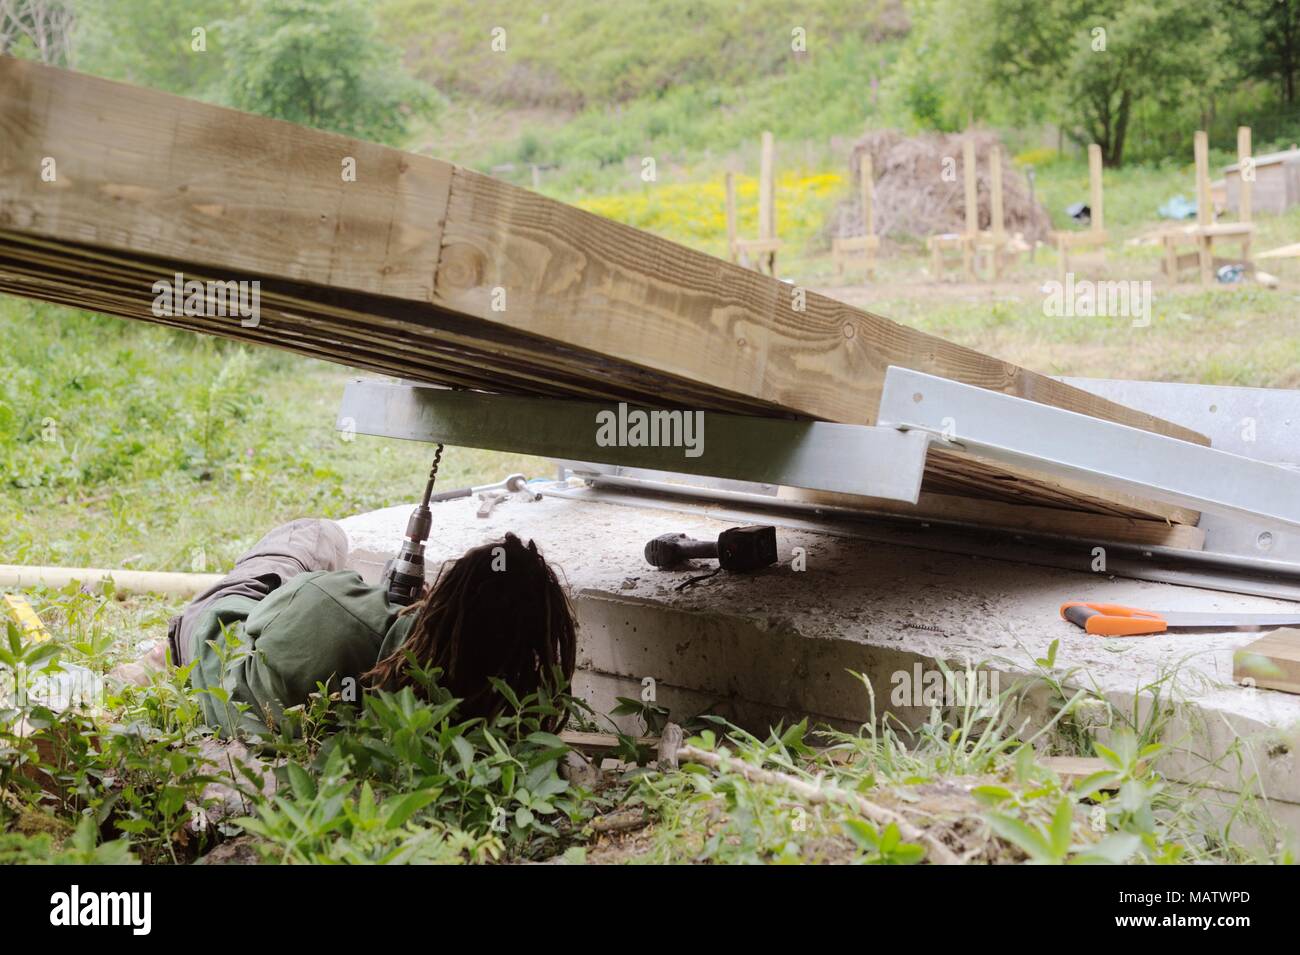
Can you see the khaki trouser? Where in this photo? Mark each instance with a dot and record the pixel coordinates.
(299, 547)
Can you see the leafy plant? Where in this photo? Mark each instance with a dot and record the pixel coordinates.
(653, 717)
(83, 848)
(412, 783)
(883, 848)
(320, 63)
(331, 819)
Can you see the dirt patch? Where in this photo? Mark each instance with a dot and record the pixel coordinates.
(241, 850)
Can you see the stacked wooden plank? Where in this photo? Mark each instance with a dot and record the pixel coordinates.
(1272, 662)
(418, 268)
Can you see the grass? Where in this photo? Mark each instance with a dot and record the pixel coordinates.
(716, 73)
(601, 148)
(138, 778)
(127, 445)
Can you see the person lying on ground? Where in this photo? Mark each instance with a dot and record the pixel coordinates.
(287, 618)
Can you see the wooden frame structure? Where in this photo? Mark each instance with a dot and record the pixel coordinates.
(420, 269)
(757, 253)
(962, 243)
(977, 249)
(845, 248)
(994, 245)
(1095, 236)
(1206, 232)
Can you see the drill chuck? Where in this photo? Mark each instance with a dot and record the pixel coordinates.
(406, 581)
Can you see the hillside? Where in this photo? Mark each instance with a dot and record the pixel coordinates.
(576, 55)
(569, 94)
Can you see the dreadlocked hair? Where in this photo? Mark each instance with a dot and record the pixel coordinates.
(496, 611)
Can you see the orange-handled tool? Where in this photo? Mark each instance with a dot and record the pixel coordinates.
(1117, 620)
(1113, 620)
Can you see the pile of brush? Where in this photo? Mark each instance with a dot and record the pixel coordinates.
(919, 191)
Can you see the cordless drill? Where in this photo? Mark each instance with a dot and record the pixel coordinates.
(406, 575)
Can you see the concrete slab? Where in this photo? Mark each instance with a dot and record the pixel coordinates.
(787, 641)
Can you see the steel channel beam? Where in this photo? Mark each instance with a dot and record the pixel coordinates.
(851, 459)
(1260, 423)
(548, 427)
(1068, 444)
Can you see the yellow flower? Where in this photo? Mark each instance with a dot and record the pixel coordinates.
(694, 213)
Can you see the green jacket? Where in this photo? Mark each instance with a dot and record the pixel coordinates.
(323, 627)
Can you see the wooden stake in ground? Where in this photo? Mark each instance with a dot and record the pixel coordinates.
(1066, 242)
(1246, 172)
(731, 215)
(843, 248)
(972, 206)
(1096, 210)
(997, 239)
(767, 189)
(1204, 204)
(867, 185)
(997, 225)
(1206, 232)
(759, 253)
(962, 243)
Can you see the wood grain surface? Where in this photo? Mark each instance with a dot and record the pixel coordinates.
(439, 274)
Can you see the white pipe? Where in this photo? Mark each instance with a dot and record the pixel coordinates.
(126, 581)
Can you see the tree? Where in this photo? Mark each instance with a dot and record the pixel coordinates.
(1266, 35)
(1085, 64)
(1098, 61)
(161, 44)
(320, 63)
(943, 78)
(39, 28)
